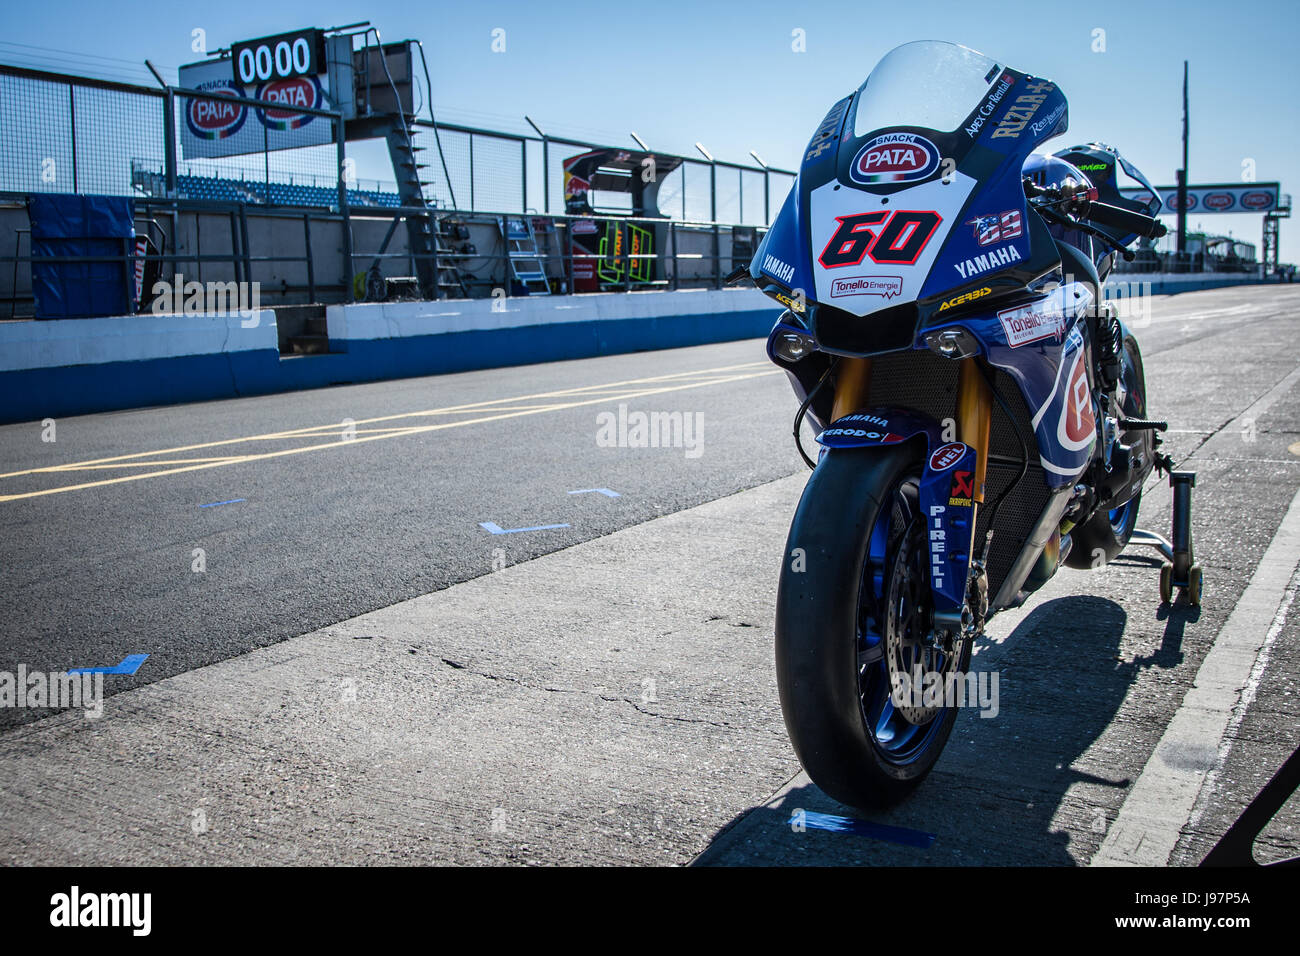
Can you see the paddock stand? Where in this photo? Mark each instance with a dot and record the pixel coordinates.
(1180, 569)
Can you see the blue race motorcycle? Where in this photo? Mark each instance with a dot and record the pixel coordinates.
(979, 403)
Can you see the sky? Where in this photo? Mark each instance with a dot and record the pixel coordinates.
(760, 75)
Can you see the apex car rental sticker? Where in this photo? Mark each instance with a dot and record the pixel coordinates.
(990, 104)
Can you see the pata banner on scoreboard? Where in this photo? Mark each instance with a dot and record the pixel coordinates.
(211, 128)
(1227, 197)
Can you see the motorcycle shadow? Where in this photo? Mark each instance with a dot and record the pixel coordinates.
(1031, 783)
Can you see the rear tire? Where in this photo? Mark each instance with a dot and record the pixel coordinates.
(859, 538)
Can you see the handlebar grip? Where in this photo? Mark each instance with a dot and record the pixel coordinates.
(1133, 222)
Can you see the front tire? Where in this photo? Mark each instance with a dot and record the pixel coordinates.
(853, 610)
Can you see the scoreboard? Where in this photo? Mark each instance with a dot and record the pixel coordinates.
(287, 71)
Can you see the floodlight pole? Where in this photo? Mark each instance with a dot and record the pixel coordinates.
(1182, 180)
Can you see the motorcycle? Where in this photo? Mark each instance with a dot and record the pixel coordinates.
(979, 403)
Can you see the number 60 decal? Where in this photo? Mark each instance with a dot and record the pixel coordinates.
(899, 241)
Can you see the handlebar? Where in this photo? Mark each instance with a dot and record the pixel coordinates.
(1080, 200)
(1134, 222)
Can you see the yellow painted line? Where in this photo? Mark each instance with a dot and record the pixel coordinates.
(307, 431)
(153, 463)
(414, 430)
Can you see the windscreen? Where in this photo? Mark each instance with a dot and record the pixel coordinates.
(929, 83)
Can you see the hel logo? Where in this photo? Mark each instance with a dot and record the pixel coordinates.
(895, 158)
(212, 118)
(946, 456)
(1218, 201)
(1257, 200)
(293, 93)
(996, 228)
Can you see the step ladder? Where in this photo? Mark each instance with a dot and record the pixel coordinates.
(521, 251)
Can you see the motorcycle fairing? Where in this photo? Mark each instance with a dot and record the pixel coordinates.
(968, 177)
(946, 490)
(1039, 343)
(782, 256)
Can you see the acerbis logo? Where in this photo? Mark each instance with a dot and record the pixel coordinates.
(964, 298)
(895, 158)
(213, 119)
(294, 91)
(946, 456)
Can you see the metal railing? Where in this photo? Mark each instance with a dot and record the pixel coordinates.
(63, 133)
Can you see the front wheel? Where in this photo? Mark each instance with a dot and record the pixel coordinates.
(854, 614)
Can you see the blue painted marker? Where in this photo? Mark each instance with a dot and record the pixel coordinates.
(497, 529)
(215, 504)
(130, 664)
(600, 491)
(866, 828)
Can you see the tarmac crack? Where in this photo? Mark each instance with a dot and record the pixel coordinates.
(488, 675)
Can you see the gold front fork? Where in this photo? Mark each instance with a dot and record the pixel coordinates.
(975, 418)
(852, 386)
(974, 406)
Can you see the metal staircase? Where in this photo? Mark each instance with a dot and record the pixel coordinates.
(521, 252)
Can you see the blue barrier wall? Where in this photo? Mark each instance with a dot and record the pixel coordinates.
(73, 367)
(79, 366)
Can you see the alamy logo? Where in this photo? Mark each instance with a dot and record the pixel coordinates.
(651, 430)
(60, 690)
(955, 689)
(179, 297)
(75, 908)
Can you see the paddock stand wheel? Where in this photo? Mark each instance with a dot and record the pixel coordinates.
(1180, 569)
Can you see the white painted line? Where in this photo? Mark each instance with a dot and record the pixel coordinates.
(1247, 697)
(1161, 803)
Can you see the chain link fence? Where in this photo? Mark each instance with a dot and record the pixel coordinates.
(61, 133)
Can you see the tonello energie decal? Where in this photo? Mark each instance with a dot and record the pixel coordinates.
(899, 240)
(895, 158)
